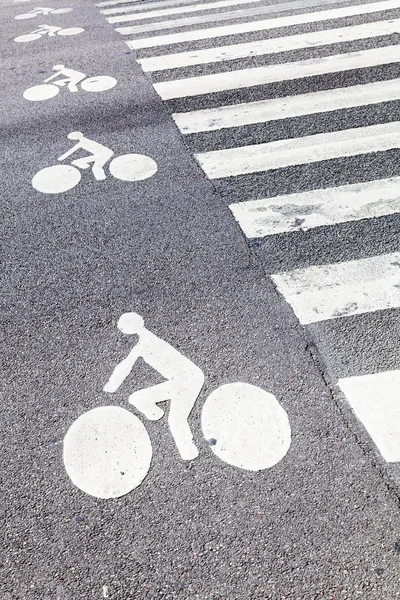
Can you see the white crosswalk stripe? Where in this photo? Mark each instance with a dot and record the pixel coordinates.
(317, 208)
(252, 26)
(304, 88)
(237, 115)
(375, 398)
(271, 46)
(233, 80)
(190, 8)
(299, 151)
(330, 291)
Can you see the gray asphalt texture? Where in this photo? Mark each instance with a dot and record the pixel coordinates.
(322, 524)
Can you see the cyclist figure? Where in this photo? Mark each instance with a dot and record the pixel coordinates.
(99, 154)
(50, 29)
(183, 385)
(72, 77)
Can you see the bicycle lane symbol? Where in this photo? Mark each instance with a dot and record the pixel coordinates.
(108, 452)
(70, 78)
(50, 30)
(35, 12)
(61, 178)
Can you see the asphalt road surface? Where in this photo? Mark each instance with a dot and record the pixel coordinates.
(201, 198)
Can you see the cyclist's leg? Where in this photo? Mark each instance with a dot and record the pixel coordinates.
(146, 400)
(84, 162)
(180, 408)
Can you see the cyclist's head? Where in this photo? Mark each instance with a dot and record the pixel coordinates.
(75, 135)
(130, 323)
(58, 67)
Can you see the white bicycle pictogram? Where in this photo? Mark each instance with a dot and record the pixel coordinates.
(35, 12)
(50, 30)
(61, 178)
(108, 452)
(71, 79)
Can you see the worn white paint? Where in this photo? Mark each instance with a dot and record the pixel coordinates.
(218, 82)
(236, 115)
(375, 399)
(323, 292)
(35, 12)
(184, 381)
(270, 46)
(190, 7)
(246, 426)
(56, 179)
(107, 452)
(299, 151)
(246, 27)
(133, 167)
(317, 208)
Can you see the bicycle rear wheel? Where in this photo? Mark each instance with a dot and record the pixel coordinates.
(25, 16)
(56, 179)
(246, 426)
(29, 37)
(107, 452)
(41, 92)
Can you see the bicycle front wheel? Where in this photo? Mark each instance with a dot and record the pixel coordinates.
(246, 426)
(133, 167)
(41, 92)
(98, 84)
(107, 452)
(56, 179)
(70, 31)
(61, 11)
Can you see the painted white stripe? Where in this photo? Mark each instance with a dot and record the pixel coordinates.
(277, 22)
(325, 292)
(188, 21)
(177, 10)
(112, 2)
(270, 46)
(299, 151)
(375, 399)
(236, 115)
(218, 82)
(317, 208)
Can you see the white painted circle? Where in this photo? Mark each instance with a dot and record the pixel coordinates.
(246, 426)
(61, 11)
(98, 84)
(26, 16)
(133, 167)
(107, 452)
(41, 92)
(70, 31)
(29, 37)
(56, 179)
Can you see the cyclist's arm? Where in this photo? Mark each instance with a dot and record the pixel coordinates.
(122, 370)
(70, 151)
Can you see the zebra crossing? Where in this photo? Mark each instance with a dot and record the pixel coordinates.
(292, 109)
